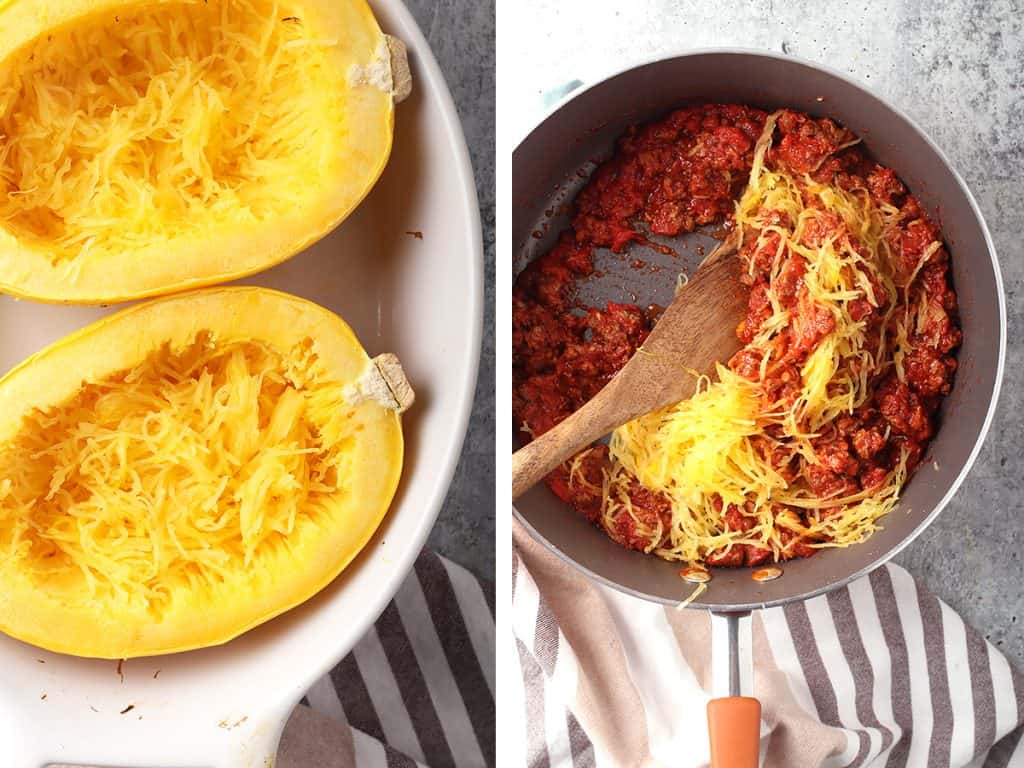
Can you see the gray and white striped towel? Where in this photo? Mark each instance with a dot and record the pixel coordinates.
(417, 690)
(881, 673)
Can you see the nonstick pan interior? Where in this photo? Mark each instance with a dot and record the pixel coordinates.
(552, 164)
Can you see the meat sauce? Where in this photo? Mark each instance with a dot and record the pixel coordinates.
(668, 178)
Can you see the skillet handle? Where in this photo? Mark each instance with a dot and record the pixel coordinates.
(734, 717)
(734, 731)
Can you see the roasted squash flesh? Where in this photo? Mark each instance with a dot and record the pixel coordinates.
(145, 147)
(131, 127)
(176, 500)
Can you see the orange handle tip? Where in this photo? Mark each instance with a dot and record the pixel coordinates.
(734, 732)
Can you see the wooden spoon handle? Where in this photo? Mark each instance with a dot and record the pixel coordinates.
(697, 329)
(539, 457)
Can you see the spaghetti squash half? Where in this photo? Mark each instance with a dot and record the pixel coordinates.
(186, 469)
(151, 147)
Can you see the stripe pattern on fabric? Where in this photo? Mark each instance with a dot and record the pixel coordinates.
(418, 688)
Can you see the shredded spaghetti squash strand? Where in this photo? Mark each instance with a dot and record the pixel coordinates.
(194, 464)
(162, 121)
(720, 449)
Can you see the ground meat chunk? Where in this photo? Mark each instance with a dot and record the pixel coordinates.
(794, 545)
(790, 280)
(747, 363)
(929, 372)
(733, 520)
(782, 382)
(885, 187)
(835, 456)
(827, 484)
(903, 410)
(608, 338)
(738, 554)
(913, 243)
(652, 512)
(539, 404)
(822, 227)
(584, 489)
(810, 324)
(759, 309)
(867, 442)
(873, 478)
(806, 143)
(761, 252)
(860, 309)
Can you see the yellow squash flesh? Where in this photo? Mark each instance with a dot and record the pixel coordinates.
(147, 148)
(186, 469)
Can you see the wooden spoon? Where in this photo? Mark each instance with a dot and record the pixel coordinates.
(697, 330)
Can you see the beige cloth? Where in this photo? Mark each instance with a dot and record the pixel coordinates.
(312, 740)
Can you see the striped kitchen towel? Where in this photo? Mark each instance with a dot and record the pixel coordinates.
(418, 688)
(881, 673)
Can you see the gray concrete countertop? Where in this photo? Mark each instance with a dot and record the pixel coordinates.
(957, 67)
(461, 34)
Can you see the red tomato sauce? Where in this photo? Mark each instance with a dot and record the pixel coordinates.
(670, 177)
